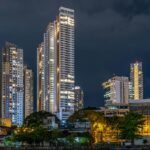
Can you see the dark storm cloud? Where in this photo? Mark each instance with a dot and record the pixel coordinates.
(130, 8)
(109, 35)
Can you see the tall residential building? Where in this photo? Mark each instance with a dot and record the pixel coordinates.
(57, 66)
(12, 84)
(136, 81)
(40, 78)
(116, 90)
(28, 92)
(79, 98)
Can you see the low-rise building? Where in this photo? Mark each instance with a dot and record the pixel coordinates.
(82, 124)
(50, 122)
(114, 111)
(142, 107)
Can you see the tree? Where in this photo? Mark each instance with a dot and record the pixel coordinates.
(92, 115)
(130, 126)
(36, 119)
(113, 124)
(23, 135)
(31, 135)
(34, 131)
(96, 119)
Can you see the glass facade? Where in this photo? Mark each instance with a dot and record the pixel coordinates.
(57, 66)
(12, 84)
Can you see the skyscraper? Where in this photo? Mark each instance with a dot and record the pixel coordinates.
(28, 91)
(79, 95)
(65, 66)
(58, 66)
(50, 68)
(40, 78)
(47, 72)
(116, 90)
(12, 84)
(136, 81)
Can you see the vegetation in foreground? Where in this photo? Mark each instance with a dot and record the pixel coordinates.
(103, 129)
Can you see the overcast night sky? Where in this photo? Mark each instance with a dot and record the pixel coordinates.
(109, 35)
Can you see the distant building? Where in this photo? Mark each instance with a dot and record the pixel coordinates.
(142, 106)
(12, 84)
(79, 96)
(114, 110)
(116, 90)
(55, 66)
(28, 92)
(50, 122)
(81, 125)
(136, 81)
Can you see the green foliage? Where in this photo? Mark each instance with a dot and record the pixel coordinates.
(80, 138)
(36, 119)
(33, 130)
(55, 133)
(71, 138)
(35, 135)
(126, 127)
(114, 122)
(92, 115)
(130, 126)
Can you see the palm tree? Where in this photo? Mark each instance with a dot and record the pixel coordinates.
(130, 126)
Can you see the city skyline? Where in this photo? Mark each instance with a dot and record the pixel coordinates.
(93, 42)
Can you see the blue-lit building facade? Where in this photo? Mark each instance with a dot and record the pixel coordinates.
(12, 93)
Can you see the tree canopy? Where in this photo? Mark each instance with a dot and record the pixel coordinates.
(131, 125)
(92, 115)
(36, 119)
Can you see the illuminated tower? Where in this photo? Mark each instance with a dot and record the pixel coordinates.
(58, 66)
(79, 95)
(40, 78)
(65, 66)
(116, 90)
(12, 84)
(28, 91)
(136, 81)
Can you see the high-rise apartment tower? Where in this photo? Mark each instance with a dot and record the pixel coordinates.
(136, 81)
(12, 83)
(56, 61)
(28, 92)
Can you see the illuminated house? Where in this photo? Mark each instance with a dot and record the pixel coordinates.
(116, 90)
(12, 95)
(55, 66)
(136, 81)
